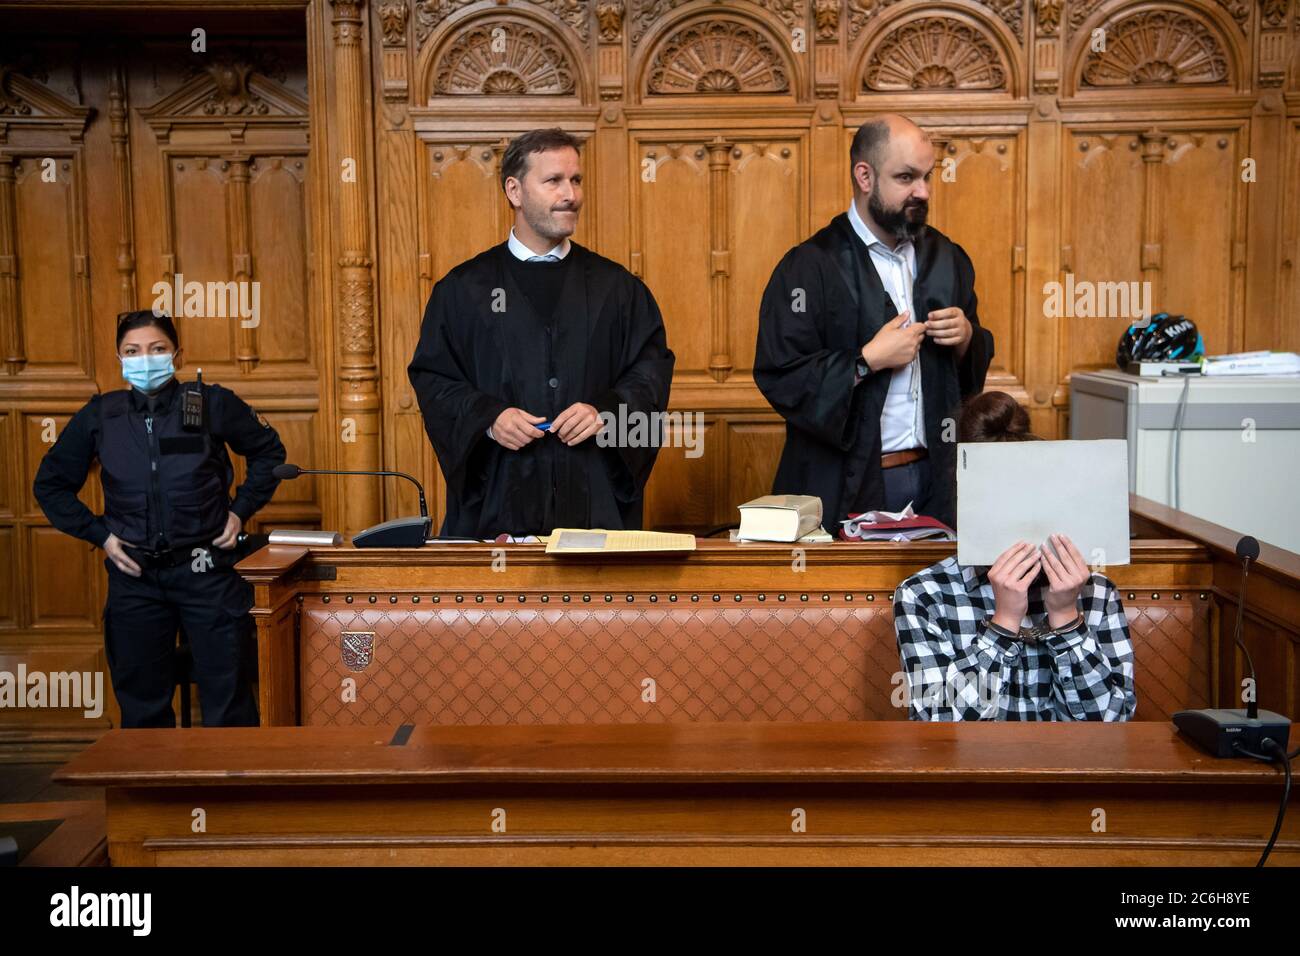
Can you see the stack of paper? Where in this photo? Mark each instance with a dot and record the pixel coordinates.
(905, 525)
(1252, 363)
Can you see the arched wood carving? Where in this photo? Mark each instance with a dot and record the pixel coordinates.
(430, 13)
(861, 12)
(935, 53)
(575, 13)
(717, 57)
(1156, 48)
(503, 58)
(791, 13)
(1239, 10)
(1011, 12)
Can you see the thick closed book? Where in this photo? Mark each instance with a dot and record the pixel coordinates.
(780, 517)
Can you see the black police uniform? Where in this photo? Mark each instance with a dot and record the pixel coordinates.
(166, 497)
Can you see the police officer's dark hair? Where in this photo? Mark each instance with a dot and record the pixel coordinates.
(146, 318)
(515, 160)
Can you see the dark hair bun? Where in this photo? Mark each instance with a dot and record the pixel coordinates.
(994, 416)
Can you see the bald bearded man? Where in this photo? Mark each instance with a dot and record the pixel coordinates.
(868, 339)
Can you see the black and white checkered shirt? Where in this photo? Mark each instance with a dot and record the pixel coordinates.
(958, 669)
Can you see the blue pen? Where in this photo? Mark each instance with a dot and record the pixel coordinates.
(542, 426)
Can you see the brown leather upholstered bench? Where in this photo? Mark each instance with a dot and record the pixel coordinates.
(775, 657)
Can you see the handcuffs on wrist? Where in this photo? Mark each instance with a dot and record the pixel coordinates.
(1035, 633)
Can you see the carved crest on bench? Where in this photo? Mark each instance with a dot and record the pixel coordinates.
(357, 649)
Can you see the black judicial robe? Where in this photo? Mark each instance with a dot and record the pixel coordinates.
(805, 362)
(483, 348)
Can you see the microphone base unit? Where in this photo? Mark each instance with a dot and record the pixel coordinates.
(1221, 731)
(398, 533)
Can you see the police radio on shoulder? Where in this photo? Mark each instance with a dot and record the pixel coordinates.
(192, 404)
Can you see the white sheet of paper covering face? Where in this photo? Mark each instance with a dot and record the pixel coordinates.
(1026, 491)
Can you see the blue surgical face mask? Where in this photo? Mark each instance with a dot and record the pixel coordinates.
(148, 373)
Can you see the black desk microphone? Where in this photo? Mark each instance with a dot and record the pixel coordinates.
(1260, 735)
(399, 533)
(1223, 732)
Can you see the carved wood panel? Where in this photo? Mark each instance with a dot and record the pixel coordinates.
(122, 165)
(347, 159)
(670, 250)
(221, 183)
(1167, 232)
(1285, 330)
(977, 200)
(712, 162)
(1101, 243)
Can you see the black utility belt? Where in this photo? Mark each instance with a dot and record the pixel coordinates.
(182, 554)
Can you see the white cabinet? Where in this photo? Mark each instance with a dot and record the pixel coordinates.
(1238, 451)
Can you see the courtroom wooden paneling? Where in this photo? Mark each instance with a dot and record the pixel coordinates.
(232, 203)
(1285, 331)
(126, 160)
(718, 132)
(345, 153)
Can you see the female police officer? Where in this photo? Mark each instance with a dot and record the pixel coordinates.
(168, 526)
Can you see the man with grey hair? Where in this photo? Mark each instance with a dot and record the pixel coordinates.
(868, 339)
(523, 348)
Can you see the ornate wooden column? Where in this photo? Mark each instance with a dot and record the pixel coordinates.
(1046, 259)
(720, 267)
(120, 136)
(1270, 253)
(1153, 143)
(351, 181)
(237, 199)
(11, 330)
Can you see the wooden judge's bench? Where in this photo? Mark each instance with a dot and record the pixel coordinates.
(743, 703)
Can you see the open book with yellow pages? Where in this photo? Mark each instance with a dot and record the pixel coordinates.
(598, 540)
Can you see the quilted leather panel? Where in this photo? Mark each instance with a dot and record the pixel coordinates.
(1171, 656)
(512, 662)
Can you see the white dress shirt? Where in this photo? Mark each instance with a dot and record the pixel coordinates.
(902, 424)
(523, 253)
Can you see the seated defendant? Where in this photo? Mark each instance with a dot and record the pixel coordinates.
(1036, 636)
